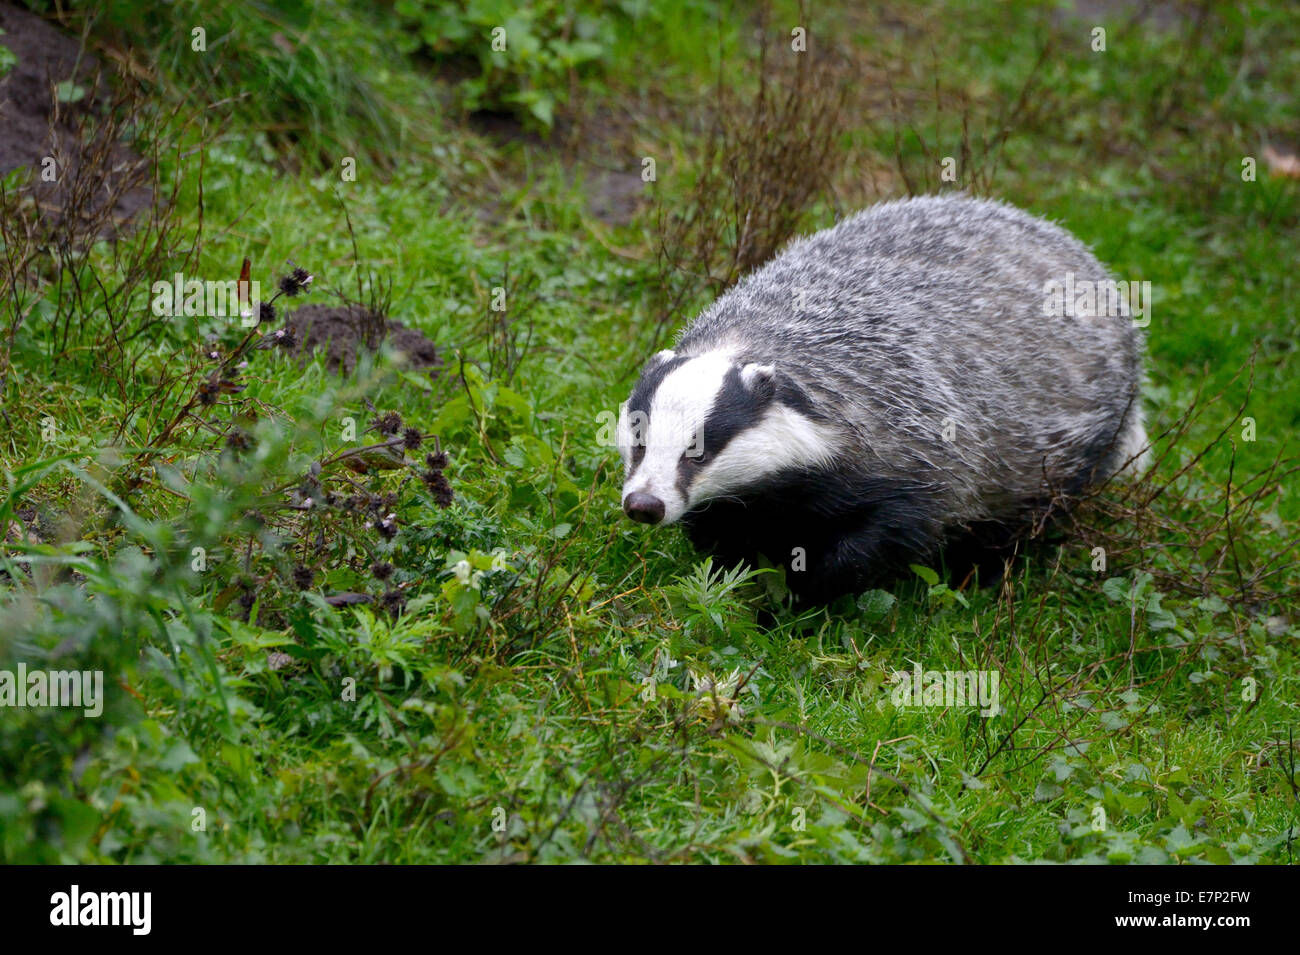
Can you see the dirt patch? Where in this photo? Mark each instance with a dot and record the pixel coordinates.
(1161, 14)
(594, 154)
(49, 101)
(613, 197)
(341, 332)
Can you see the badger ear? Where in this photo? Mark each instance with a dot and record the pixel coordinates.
(759, 379)
(659, 357)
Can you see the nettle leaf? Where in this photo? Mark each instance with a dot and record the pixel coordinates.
(1047, 791)
(579, 51)
(1182, 843)
(512, 403)
(526, 451)
(178, 756)
(543, 108)
(1132, 803)
(1158, 618)
(1152, 855)
(1212, 604)
(1113, 721)
(1218, 855)
(454, 416)
(946, 595)
(1176, 774)
(926, 574)
(1117, 589)
(420, 381)
(876, 603)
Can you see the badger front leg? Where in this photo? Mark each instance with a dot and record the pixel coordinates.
(864, 555)
(844, 564)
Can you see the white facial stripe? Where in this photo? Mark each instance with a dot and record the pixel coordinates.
(782, 439)
(623, 435)
(623, 432)
(677, 413)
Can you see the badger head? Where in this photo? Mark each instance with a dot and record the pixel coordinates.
(702, 427)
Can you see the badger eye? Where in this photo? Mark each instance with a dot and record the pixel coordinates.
(697, 459)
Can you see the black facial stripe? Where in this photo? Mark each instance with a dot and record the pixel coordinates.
(735, 409)
(794, 397)
(649, 383)
(683, 481)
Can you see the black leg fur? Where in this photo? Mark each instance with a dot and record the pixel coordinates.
(829, 546)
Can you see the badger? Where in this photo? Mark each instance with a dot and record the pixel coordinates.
(904, 382)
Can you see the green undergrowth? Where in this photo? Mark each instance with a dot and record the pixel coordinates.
(475, 658)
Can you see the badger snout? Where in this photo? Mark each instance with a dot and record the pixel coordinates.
(643, 507)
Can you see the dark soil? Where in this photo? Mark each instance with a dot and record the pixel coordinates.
(341, 331)
(614, 197)
(1162, 14)
(34, 125)
(595, 153)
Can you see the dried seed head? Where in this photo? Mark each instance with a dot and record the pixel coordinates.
(239, 441)
(387, 424)
(440, 487)
(295, 282)
(210, 390)
(394, 601)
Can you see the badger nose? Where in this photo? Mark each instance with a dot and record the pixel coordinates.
(643, 507)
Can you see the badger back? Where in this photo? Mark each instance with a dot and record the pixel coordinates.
(928, 328)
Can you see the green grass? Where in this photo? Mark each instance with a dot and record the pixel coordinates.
(513, 720)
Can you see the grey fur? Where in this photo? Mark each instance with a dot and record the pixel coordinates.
(929, 309)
